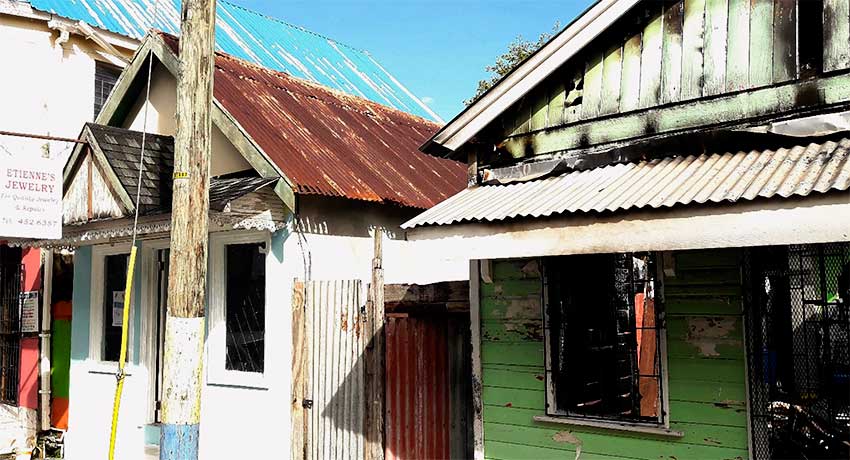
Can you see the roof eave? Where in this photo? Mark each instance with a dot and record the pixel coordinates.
(529, 73)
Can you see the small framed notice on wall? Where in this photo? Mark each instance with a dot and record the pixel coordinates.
(29, 311)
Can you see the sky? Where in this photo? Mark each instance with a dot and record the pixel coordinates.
(437, 49)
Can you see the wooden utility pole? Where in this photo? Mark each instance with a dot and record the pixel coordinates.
(184, 324)
(375, 356)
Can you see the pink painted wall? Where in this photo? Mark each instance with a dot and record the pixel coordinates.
(28, 383)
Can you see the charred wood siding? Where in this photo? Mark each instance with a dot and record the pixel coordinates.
(705, 361)
(669, 52)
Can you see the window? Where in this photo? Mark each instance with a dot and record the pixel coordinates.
(115, 275)
(108, 281)
(237, 308)
(245, 310)
(604, 332)
(105, 77)
(10, 326)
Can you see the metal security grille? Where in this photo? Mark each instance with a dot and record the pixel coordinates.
(603, 350)
(10, 326)
(797, 344)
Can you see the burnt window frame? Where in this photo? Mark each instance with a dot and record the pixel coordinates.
(660, 425)
(103, 75)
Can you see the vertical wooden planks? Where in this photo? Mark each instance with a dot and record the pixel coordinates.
(714, 48)
(693, 41)
(650, 74)
(555, 117)
(574, 90)
(671, 63)
(836, 35)
(630, 85)
(539, 108)
(785, 57)
(592, 86)
(300, 373)
(612, 67)
(738, 46)
(761, 43)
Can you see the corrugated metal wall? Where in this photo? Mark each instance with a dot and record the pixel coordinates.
(334, 344)
(417, 407)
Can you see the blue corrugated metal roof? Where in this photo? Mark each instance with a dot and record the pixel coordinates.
(256, 38)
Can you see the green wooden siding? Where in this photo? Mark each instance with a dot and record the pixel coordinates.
(705, 365)
(669, 52)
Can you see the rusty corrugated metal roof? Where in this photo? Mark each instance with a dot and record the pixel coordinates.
(331, 143)
(677, 180)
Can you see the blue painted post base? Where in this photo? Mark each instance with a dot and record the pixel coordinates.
(178, 442)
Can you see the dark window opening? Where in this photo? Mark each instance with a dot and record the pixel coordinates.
(604, 351)
(11, 272)
(115, 271)
(105, 77)
(798, 346)
(810, 35)
(245, 315)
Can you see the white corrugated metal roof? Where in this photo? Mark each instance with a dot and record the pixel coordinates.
(677, 180)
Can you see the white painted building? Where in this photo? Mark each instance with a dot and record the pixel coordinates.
(288, 201)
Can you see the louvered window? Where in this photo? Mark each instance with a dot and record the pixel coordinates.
(604, 332)
(105, 77)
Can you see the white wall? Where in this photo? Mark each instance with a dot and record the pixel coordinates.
(162, 119)
(335, 242)
(44, 89)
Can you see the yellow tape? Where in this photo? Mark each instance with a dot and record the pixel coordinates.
(179, 175)
(122, 358)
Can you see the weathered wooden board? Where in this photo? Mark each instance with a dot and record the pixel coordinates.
(714, 47)
(693, 41)
(671, 61)
(836, 35)
(612, 67)
(785, 59)
(650, 75)
(630, 86)
(761, 43)
(738, 46)
(592, 96)
(555, 116)
(539, 109)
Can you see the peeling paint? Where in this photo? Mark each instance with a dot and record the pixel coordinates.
(706, 333)
(530, 330)
(522, 308)
(569, 438)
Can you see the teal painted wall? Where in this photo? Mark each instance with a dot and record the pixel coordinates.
(81, 304)
(705, 362)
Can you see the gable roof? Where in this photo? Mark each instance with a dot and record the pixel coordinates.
(533, 70)
(256, 38)
(120, 149)
(320, 141)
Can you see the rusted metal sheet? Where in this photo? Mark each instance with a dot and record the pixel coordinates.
(257, 38)
(417, 412)
(659, 183)
(330, 143)
(334, 426)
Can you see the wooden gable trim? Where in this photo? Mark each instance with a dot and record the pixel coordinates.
(225, 122)
(95, 159)
(531, 72)
(109, 175)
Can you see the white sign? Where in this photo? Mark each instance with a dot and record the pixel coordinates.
(29, 311)
(117, 308)
(30, 196)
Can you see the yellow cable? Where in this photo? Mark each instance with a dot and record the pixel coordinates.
(122, 358)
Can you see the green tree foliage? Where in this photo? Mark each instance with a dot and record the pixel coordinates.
(518, 50)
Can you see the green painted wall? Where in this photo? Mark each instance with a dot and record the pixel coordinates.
(668, 52)
(705, 362)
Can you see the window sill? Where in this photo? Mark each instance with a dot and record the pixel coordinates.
(234, 379)
(633, 428)
(110, 368)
